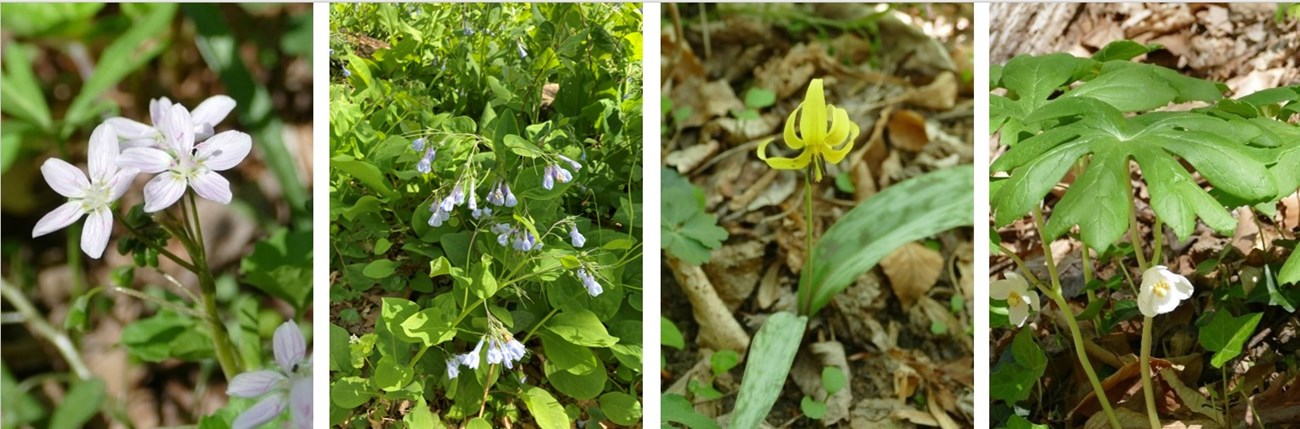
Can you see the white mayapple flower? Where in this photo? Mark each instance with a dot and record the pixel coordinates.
(202, 121)
(182, 163)
(288, 386)
(91, 196)
(1019, 298)
(1161, 291)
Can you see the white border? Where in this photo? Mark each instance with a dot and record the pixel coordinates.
(980, 241)
(320, 172)
(652, 301)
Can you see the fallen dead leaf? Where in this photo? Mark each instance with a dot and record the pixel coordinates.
(691, 156)
(907, 131)
(938, 95)
(912, 271)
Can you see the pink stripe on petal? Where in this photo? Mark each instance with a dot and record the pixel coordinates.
(145, 159)
(176, 127)
(67, 180)
(103, 152)
(266, 410)
(58, 219)
(224, 151)
(300, 403)
(130, 129)
(212, 186)
(289, 346)
(162, 192)
(94, 236)
(120, 182)
(253, 384)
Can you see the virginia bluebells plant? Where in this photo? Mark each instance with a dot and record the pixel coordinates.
(91, 196)
(576, 237)
(426, 162)
(553, 173)
(589, 282)
(500, 195)
(576, 166)
(505, 352)
(417, 144)
(288, 385)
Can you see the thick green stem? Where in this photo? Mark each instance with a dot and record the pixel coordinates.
(1148, 390)
(221, 344)
(1073, 324)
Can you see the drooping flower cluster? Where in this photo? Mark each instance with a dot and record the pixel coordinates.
(500, 195)
(553, 173)
(1161, 291)
(289, 385)
(168, 146)
(503, 350)
(426, 162)
(442, 208)
(576, 237)
(589, 282)
(520, 239)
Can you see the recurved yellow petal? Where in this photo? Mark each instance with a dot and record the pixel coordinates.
(791, 139)
(796, 163)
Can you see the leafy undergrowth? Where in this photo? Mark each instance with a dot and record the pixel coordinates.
(894, 347)
(1210, 194)
(485, 215)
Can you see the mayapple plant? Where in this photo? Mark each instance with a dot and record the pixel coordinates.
(185, 153)
(1092, 116)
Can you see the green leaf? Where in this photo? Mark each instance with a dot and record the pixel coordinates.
(391, 375)
(364, 205)
(832, 379)
(581, 386)
(758, 98)
(157, 338)
(485, 284)
(32, 19)
(812, 408)
(281, 265)
(433, 325)
(76, 320)
(771, 355)
(126, 54)
(1275, 295)
(1019, 369)
(678, 409)
(521, 147)
(1139, 89)
(20, 89)
(438, 267)
(421, 417)
(1225, 335)
(1123, 50)
(621, 408)
(723, 361)
(688, 231)
(379, 269)
(567, 356)
(545, 409)
(20, 408)
(340, 353)
(669, 335)
(1290, 273)
(1017, 422)
(79, 406)
(364, 172)
(581, 327)
(393, 340)
(350, 392)
(905, 212)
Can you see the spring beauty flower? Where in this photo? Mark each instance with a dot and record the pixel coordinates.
(202, 120)
(1019, 298)
(289, 385)
(184, 164)
(589, 282)
(91, 196)
(1161, 291)
(576, 237)
(821, 137)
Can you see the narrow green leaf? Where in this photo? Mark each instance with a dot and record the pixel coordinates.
(126, 54)
(20, 89)
(79, 405)
(770, 357)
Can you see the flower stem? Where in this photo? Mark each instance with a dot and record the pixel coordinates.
(36, 322)
(1073, 324)
(1148, 390)
(221, 345)
(805, 289)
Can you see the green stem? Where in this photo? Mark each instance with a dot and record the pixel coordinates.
(37, 324)
(1073, 324)
(1157, 240)
(221, 344)
(805, 289)
(1148, 390)
(1087, 274)
(161, 251)
(1135, 237)
(539, 324)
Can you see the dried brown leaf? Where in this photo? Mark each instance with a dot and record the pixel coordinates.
(912, 271)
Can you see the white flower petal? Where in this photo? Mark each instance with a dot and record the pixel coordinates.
(128, 129)
(1033, 300)
(264, 411)
(145, 159)
(94, 235)
(158, 109)
(212, 186)
(67, 180)
(1017, 314)
(212, 110)
(154, 142)
(1144, 301)
(1168, 304)
(177, 128)
(1001, 289)
(300, 403)
(120, 182)
(1182, 288)
(289, 346)
(254, 384)
(58, 219)
(224, 151)
(102, 158)
(162, 191)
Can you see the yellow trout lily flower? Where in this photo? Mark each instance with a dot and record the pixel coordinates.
(820, 135)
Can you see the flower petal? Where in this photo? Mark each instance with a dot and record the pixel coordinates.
(289, 346)
(1018, 314)
(300, 403)
(58, 219)
(225, 150)
(158, 109)
(1144, 301)
(796, 163)
(67, 180)
(178, 130)
(1033, 300)
(102, 158)
(212, 186)
(791, 139)
(128, 129)
(120, 182)
(94, 235)
(254, 384)
(265, 410)
(1182, 288)
(146, 159)
(162, 191)
(1001, 289)
(212, 110)
(812, 123)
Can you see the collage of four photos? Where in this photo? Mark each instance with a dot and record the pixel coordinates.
(440, 215)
